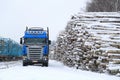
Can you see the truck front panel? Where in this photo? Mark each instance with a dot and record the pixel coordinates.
(36, 46)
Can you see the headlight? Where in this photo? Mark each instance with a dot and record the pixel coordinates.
(24, 57)
(45, 58)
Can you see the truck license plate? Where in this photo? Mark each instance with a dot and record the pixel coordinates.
(34, 61)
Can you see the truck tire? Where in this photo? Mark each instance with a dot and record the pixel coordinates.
(25, 63)
(45, 64)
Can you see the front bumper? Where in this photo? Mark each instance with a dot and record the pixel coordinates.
(31, 62)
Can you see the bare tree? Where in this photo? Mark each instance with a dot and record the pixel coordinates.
(103, 6)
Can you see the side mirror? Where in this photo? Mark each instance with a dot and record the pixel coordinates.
(21, 41)
(49, 42)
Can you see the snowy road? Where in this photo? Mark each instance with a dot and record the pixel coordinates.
(55, 71)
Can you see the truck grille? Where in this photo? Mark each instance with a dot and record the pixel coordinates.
(35, 53)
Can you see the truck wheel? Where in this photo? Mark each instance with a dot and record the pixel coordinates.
(45, 64)
(24, 63)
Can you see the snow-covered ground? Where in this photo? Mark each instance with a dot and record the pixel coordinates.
(55, 71)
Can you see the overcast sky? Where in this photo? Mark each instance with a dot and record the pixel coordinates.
(15, 15)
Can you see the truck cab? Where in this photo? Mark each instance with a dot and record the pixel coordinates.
(35, 46)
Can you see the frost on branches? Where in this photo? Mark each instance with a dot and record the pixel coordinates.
(91, 41)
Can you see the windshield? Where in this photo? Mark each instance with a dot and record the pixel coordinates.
(34, 41)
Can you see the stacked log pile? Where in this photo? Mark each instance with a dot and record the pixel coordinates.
(91, 41)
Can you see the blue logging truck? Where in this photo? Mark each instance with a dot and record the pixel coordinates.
(35, 46)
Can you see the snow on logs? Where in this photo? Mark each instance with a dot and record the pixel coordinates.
(91, 41)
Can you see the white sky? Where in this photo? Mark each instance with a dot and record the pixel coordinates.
(15, 15)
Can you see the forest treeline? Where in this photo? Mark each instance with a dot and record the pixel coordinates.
(103, 6)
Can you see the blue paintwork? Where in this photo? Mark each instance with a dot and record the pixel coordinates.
(39, 35)
(45, 50)
(31, 34)
(24, 50)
